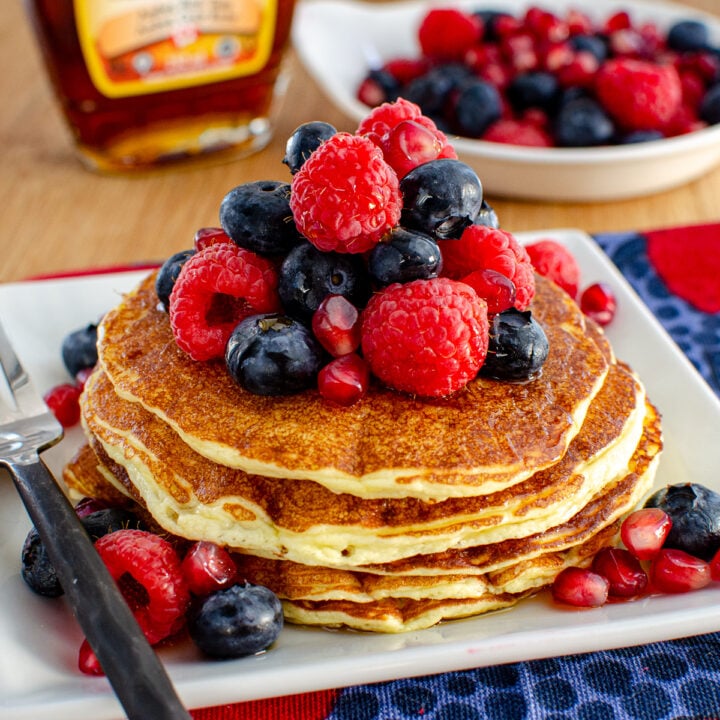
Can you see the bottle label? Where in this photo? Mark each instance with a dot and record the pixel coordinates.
(136, 47)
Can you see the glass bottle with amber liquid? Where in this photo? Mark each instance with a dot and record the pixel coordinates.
(143, 83)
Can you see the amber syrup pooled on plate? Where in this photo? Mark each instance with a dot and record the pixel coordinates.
(147, 82)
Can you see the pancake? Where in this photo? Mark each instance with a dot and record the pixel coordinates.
(389, 602)
(303, 521)
(480, 440)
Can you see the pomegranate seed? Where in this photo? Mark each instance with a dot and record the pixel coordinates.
(408, 145)
(557, 56)
(598, 302)
(208, 567)
(81, 377)
(580, 587)
(675, 571)
(622, 570)
(580, 71)
(496, 289)
(644, 531)
(207, 236)
(336, 324)
(88, 662)
(344, 380)
(89, 505)
(63, 401)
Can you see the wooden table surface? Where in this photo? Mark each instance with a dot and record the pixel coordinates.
(58, 216)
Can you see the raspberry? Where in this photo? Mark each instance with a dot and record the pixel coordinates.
(406, 136)
(425, 337)
(147, 569)
(555, 262)
(446, 33)
(217, 288)
(517, 132)
(345, 197)
(64, 402)
(639, 95)
(481, 247)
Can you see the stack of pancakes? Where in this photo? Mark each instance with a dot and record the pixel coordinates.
(394, 513)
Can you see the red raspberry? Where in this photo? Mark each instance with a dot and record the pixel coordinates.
(345, 197)
(217, 288)
(406, 136)
(555, 262)
(481, 247)
(447, 33)
(425, 337)
(517, 132)
(64, 402)
(639, 95)
(147, 570)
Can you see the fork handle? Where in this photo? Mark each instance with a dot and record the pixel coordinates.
(134, 670)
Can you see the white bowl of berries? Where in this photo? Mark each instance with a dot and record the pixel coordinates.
(561, 100)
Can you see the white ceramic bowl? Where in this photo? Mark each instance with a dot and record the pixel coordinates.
(338, 40)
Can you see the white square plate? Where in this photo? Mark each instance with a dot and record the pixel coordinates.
(39, 639)
(339, 40)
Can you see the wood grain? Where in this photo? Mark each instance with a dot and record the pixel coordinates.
(58, 216)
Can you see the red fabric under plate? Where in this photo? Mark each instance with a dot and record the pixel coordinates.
(308, 706)
(690, 268)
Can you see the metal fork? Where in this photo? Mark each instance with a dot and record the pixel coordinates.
(27, 427)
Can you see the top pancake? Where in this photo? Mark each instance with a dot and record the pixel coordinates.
(483, 438)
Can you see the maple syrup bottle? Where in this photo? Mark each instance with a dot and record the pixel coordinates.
(143, 83)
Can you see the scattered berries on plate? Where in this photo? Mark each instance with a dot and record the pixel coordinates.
(208, 567)
(147, 569)
(64, 402)
(598, 302)
(241, 620)
(436, 342)
(215, 289)
(79, 349)
(555, 262)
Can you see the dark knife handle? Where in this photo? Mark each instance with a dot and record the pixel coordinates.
(134, 670)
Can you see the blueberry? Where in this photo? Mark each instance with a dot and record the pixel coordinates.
(518, 347)
(710, 106)
(441, 198)
(431, 90)
(534, 90)
(688, 35)
(257, 217)
(406, 255)
(487, 216)
(168, 274)
(590, 43)
(273, 354)
(79, 349)
(582, 122)
(36, 568)
(304, 140)
(307, 275)
(641, 136)
(695, 513)
(237, 621)
(489, 19)
(477, 106)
